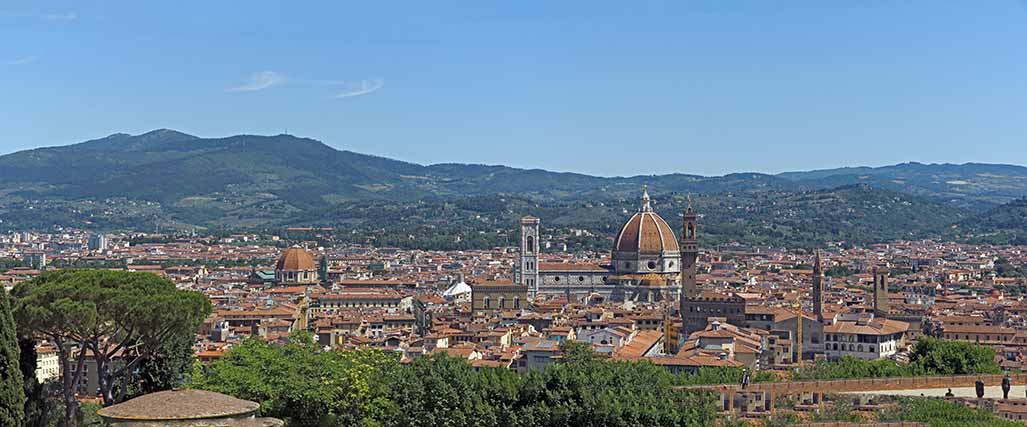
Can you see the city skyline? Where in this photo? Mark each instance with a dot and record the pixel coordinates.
(707, 89)
(509, 214)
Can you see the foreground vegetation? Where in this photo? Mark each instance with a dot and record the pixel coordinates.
(941, 413)
(932, 412)
(930, 356)
(372, 388)
(307, 387)
(137, 327)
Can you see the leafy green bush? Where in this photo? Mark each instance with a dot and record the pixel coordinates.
(934, 356)
(941, 413)
(930, 356)
(308, 387)
(298, 383)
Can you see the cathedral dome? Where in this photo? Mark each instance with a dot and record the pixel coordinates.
(646, 233)
(295, 259)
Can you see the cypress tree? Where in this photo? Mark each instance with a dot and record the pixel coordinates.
(12, 395)
(35, 393)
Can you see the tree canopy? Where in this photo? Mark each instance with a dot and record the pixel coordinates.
(120, 317)
(308, 387)
(298, 383)
(930, 356)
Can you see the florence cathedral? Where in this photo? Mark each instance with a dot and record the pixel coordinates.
(647, 262)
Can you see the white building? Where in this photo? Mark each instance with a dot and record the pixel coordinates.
(47, 364)
(864, 336)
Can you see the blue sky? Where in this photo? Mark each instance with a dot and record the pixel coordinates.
(607, 88)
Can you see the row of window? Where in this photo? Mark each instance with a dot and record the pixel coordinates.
(650, 265)
(694, 309)
(355, 305)
(487, 302)
(977, 338)
(580, 278)
(859, 347)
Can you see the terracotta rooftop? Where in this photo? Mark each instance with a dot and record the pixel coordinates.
(295, 259)
(179, 405)
(646, 232)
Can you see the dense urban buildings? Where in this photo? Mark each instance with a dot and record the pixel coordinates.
(656, 295)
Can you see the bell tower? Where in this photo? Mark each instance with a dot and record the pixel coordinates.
(880, 292)
(818, 288)
(527, 268)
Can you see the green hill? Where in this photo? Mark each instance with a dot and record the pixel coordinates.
(850, 214)
(169, 179)
(1002, 224)
(973, 185)
(250, 180)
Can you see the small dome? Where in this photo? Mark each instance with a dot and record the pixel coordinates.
(178, 405)
(295, 259)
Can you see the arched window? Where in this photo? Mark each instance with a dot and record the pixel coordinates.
(530, 244)
(488, 302)
(691, 231)
(502, 302)
(517, 302)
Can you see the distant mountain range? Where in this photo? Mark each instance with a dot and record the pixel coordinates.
(968, 184)
(247, 181)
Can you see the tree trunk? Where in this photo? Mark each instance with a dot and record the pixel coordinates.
(68, 391)
(102, 366)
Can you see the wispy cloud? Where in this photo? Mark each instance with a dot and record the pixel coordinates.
(22, 61)
(343, 88)
(60, 17)
(260, 81)
(358, 88)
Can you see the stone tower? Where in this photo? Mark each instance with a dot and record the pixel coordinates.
(818, 288)
(322, 269)
(527, 268)
(880, 292)
(689, 253)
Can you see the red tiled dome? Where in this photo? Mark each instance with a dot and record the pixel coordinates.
(295, 259)
(646, 233)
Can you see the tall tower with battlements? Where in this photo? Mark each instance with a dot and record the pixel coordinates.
(689, 252)
(818, 288)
